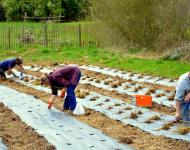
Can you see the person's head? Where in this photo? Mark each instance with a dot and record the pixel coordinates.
(44, 79)
(19, 61)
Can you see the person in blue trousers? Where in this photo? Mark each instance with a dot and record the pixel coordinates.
(66, 77)
(182, 97)
(8, 64)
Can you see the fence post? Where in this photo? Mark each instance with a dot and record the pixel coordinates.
(9, 37)
(45, 34)
(79, 35)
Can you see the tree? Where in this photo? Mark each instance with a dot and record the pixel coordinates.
(2, 13)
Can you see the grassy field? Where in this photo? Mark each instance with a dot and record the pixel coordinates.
(101, 57)
(29, 34)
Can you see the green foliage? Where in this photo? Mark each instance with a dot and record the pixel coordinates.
(70, 9)
(2, 13)
(154, 24)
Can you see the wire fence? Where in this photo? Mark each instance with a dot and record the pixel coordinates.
(48, 35)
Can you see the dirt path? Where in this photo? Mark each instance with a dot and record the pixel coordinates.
(124, 133)
(19, 136)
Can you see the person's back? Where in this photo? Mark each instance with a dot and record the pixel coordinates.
(8, 63)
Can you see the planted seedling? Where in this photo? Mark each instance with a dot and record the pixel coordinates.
(99, 104)
(91, 79)
(160, 95)
(117, 104)
(155, 117)
(120, 112)
(148, 93)
(114, 85)
(106, 82)
(136, 89)
(140, 77)
(171, 98)
(152, 91)
(129, 80)
(128, 108)
(26, 79)
(133, 115)
(36, 82)
(139, 112)
(107, 100)
(131, 75)
(183, 130)
(152, 119)
(133, 83)
(109, 108)
(166, 126)
(97, 81)
(93, 99)
(149, 121)
(127, 87)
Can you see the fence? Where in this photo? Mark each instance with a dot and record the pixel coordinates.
(48, 35)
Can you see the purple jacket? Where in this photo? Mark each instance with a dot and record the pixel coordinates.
(63, 77)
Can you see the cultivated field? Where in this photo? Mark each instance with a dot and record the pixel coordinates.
(107, 96)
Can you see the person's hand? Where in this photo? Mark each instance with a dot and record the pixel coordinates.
(177, 116)
(50, 105)
(62, 95)
(187, 97)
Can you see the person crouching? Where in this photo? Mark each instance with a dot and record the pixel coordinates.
(65, 77)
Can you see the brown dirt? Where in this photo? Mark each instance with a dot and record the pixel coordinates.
(19, 136)
(123, 133)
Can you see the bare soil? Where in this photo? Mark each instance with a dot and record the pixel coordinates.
(19, 136)
(123, 133)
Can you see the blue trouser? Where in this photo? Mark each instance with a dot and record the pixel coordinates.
(70, 100)
(184, 107)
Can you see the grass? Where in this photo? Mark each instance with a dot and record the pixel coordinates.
(30, 34)
(101, 57)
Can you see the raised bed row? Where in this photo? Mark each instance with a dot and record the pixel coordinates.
(58, 128)
(116, 73)
(159, 96)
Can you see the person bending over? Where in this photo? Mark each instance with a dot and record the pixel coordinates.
(66, 77)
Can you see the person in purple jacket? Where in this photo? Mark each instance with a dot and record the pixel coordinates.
(9, 64)
(60, 78)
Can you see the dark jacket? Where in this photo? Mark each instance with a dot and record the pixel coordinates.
(8, 64)
(63, 77)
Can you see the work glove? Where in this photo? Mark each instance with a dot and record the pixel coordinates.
(50, 105)
(62, 95)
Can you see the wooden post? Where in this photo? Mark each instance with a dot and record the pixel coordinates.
(25, 16)
(79, 35)
(45, 34)
(9, 37)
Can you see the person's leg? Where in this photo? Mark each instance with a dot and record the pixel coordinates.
(184, 107)
(71, 94)
(71, 97)
(66, 103)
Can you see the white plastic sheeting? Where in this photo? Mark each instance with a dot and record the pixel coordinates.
(113, 72)
(134, 77)
(2, 145)
(164, 100)
(116, 109)
(57, 127)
